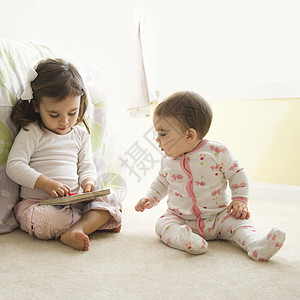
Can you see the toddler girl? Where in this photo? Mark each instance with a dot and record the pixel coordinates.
(195, 173)
(52, 157)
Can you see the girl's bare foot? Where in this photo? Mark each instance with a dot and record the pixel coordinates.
(76, 237)
(76, 240)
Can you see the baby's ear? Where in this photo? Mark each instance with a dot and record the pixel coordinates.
(191, 135)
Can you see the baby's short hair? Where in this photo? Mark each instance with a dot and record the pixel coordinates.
(189, 108)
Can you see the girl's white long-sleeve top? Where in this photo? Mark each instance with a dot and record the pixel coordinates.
(65, 158)
(196, 182)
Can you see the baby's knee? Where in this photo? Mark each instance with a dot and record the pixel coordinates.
(161, 225)
(167, 224)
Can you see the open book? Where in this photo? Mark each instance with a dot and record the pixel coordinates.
(76, 198)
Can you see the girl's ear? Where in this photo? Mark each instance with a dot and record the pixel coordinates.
(35, 107)
(191, 135)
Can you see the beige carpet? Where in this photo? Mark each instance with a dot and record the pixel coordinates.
(134, 264)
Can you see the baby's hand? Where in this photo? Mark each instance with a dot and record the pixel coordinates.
(239, 210)
(143, 204)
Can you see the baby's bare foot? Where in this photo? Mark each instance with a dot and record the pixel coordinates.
(76, 240)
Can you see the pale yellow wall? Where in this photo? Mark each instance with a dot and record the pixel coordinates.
(264, 134)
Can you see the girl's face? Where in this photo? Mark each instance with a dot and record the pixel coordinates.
(59, 117)
(170, 137)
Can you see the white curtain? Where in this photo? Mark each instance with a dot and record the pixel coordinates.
(142, 92)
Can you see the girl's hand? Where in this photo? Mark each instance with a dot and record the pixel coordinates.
(144, 203)
(56, 189)
(88, 185)
(239, 210)
(52, 187)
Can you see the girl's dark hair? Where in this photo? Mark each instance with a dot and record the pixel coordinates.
(56, 79)
(190, 109)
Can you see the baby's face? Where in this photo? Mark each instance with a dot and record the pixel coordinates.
(170, 137)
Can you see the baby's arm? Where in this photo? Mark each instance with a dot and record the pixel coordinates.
(238, 182)
(51, 187)
(144, 203)
(157, 191)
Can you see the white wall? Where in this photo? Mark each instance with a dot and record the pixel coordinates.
(95, 32)
(229, 49)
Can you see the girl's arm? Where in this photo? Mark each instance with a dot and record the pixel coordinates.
(19, 170)
(86, 167)
(88, 185)
(17, 166)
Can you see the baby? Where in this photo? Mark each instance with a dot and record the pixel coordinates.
(195, 173)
